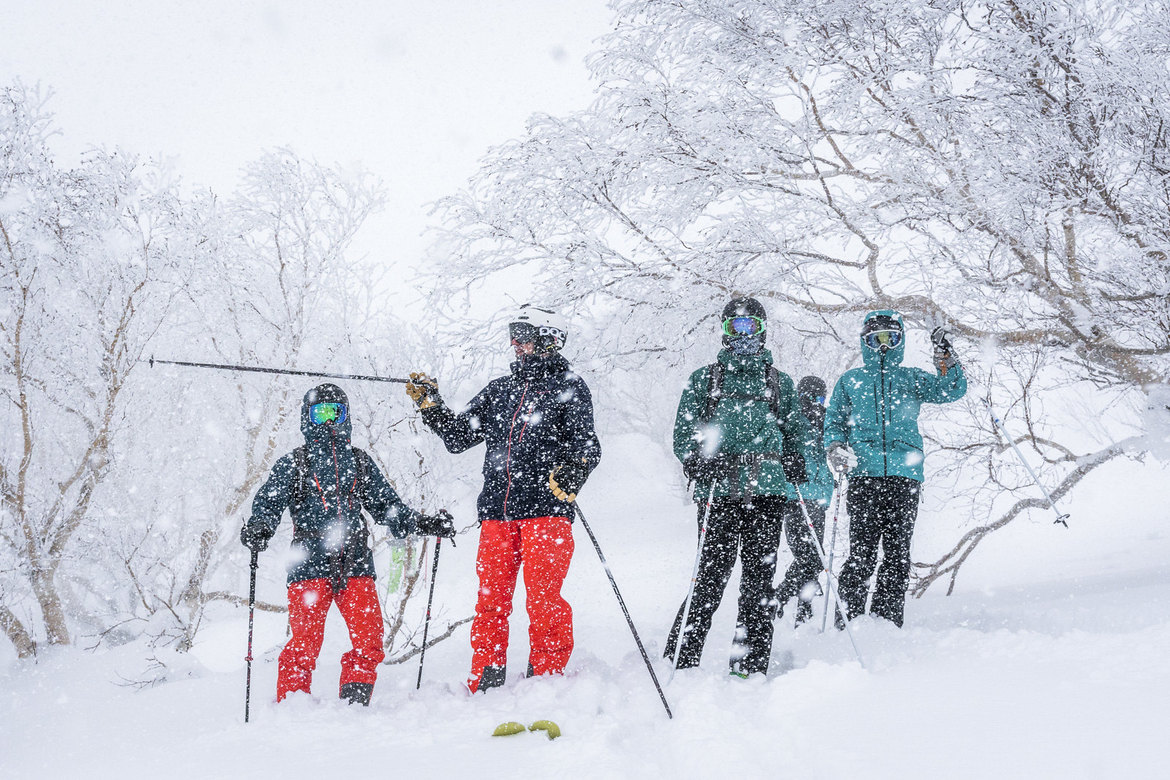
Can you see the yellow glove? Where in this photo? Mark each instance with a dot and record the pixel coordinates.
(556, 489)
(423, 390)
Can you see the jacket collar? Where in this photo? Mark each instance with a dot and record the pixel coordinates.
(539, 367)
(746, 363)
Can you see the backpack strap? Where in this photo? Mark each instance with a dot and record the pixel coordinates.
(714, 389)
(773, 393)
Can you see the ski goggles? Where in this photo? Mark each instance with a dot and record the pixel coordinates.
(327, 413)
(742, 326)
(523, 333)
(879, 339)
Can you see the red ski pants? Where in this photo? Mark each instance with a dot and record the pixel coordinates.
(544, 545)
(308, 605)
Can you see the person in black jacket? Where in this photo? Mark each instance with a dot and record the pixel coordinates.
(537, 424)
(325, 485)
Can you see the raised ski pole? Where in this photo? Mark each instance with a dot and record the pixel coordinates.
(427, 623)
(838, 489)
(682, 627)
(251, 619)
(1061, 517)
(288, 371)
(812, 529)
(626, 612)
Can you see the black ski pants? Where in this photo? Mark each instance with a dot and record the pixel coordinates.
(882, 510)
(806, 560)
(751, 530)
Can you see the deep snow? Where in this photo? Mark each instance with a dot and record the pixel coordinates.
(1048, 661)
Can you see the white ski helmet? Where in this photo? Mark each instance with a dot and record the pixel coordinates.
(550, 329)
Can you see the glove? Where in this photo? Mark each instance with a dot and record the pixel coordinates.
(255, 536)
(697, 468)
(424, 391)
(794, 467)
(439, 524)
(841, 459)
(944, 353)
(566, 480)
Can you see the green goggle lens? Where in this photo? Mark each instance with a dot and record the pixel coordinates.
(326, 413)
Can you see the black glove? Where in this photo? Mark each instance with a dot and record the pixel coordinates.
(944, 353)
(565, 481)
(439, 524)
(255, 536)
(700, 469)
(794, 467)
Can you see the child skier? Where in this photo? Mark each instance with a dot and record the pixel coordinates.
(325, 485)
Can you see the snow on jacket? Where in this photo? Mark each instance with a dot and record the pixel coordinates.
(532, 420)
(874, 409)
(742, 423)
(330, 537)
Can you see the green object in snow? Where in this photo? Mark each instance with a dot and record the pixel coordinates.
(548, 727)
(397, 566)
(508, 729)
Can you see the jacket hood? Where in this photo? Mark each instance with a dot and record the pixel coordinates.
(873, 357)
(326, 393)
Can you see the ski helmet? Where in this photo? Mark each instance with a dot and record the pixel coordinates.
(542, 327)
(744, 325)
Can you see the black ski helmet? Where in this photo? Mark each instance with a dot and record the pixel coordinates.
(743, 307)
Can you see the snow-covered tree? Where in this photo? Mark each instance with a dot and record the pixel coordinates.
(91, 263)
(999, 167)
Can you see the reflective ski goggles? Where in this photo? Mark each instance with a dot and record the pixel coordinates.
(523, 333)
(327, 413)
(880, 339)
(742, 326)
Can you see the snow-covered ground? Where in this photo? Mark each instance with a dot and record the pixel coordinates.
(1048, 661)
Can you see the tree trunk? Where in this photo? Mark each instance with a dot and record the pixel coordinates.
(17, 634)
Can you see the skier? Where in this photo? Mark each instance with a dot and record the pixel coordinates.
(738, 433)
(325, 485)
(801, 578)
(537, 424)
(871, 435)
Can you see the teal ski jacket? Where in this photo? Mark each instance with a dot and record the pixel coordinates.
(874, 409)
(818, 489)
(743, 423)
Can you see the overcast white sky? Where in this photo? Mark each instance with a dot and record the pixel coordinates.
(414, 90)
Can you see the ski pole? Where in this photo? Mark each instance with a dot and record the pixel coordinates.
(290, 372)
(427, 623)
(682, 627)
(838, 488)
(812, 529)
(251, 618)
(1060, 517)
(626, 612)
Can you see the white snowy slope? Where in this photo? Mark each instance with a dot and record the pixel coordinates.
(1048, 661)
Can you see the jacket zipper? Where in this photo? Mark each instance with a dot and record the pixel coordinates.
(508, 460)
(882, 421)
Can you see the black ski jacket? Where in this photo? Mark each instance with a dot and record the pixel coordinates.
(538, 417)
(330, 537)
